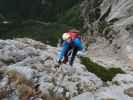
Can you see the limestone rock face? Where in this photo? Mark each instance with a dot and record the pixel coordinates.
(113, 93)
(31, 66)
(29, 71)
(84, 96)
(123, 79)
(110, 25)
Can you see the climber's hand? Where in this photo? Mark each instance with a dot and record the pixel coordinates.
(60, 60)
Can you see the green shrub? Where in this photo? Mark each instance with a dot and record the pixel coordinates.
(100, 71)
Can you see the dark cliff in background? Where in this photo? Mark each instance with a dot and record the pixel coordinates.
(38, 19)
(47, 10)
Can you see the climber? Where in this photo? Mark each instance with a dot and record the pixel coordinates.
(72, 42)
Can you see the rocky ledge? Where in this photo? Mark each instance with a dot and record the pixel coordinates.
(29, 71)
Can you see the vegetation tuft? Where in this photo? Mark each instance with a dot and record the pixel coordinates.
(100, 71)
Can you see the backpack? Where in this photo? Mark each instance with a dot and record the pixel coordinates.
(74, 35)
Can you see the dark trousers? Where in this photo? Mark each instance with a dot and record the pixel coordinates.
(72, 51)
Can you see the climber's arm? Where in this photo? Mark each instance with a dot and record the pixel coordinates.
(64, 50)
